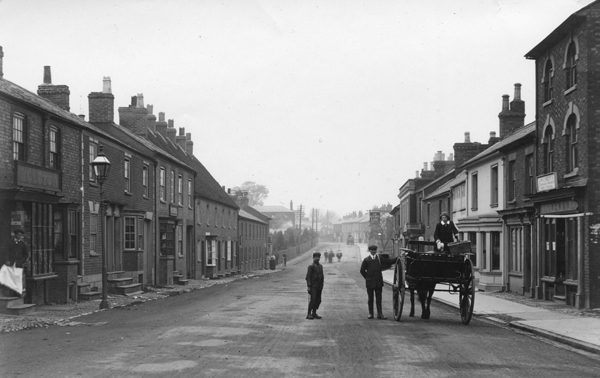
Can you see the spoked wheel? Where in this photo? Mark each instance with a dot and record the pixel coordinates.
(399, 289)
(467, 294)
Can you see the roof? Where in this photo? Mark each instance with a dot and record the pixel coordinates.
(513, 137)
(447, 185)
(207, 187)
(246, 215)
(273, 209)
(364, 218)
(560, 32)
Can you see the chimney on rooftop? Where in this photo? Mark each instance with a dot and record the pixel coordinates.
(161, 125)
(135, 117)
(512, 116)
(181, 138)
(151, 118)
(171, 132)
(1, 62)
(102, 104)
(189, 144)
(466, 150)
(57, 94)
(467, 137)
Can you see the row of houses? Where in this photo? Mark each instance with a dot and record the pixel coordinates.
(164, 217)
(528, 198)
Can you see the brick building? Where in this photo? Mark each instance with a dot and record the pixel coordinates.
(567, 161)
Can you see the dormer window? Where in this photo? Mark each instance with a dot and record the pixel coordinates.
(571, 66)
(547, 80)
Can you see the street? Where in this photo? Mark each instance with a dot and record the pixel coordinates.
(257, 328)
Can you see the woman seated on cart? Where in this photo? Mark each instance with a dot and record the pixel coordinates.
(445, 233)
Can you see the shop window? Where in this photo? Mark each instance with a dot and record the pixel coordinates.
(571, 245)
(19, 137)
(549, 247)
(516, 251)
(55, 156)
(167, 239)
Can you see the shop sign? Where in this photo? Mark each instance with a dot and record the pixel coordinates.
(374, 217)
(546, 182)
(32, 176)
(558, 207)
(173, 210)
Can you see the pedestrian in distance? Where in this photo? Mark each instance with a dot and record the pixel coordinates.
(339, 255)
(314, 282)
(284, 257)
(330, 256)
(371, 269)
(11, 273)
(445, 232)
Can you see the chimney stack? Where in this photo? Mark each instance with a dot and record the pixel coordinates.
(135, 117)
(102, 104)
(171, 132)
(189, 144)
(57, 94)
(161, 125)
(467, 137)
(151, 118)
(466, 150)
(1, 62)
(181, 138)
(512, 117)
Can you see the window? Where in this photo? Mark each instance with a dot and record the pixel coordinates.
(495, 246)
(73, 233)
(547, 80)
(162, 184)
(126, 175)
(428, 213)
(474, 192)
(167, 239)
(549, 150)
(473, 239)
(145, 180)
(572, 154)
(529, 174)
(19, 137)
(207, 214)
(172, 186)
(140, 233)
(54, 148)
(93, 152)
(484, 262)
(189, 194)
(512, 180)
(130, 233)
(180, 190)
(228, 250)
(179, 236)
(571, 66)
(93, 233)
(211, 253)
(494, 186)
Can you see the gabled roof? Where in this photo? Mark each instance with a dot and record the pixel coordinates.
(273, 209)
(251, 210)
(513, 137)
(207, 187)
(560, 32)
(246, 215)
(447, 186)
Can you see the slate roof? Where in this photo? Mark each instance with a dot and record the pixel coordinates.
(273, 209)
(208, 188)
(246, 215)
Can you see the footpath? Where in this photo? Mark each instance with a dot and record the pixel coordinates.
(577, 328)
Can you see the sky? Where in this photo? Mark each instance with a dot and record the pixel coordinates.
(333, 105)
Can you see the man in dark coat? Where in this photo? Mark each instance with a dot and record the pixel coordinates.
(370, 269)
(314, 281)
(445, 232)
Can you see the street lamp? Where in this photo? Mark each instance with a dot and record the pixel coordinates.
(101, 167)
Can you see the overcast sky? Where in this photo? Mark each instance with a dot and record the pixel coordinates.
(331, 104)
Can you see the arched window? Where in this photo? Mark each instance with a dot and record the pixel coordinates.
(572, 155)
(547, 80)
(54, 148)
(571, 66)
(549, 150)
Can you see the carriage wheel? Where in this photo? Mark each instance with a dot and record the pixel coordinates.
(399, 288)
(467, 294)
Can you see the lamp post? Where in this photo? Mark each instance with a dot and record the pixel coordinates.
(101, 167)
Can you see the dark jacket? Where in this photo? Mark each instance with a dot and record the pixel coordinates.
(18, 253)
(445, 233)
(314, 275)
(371, 270)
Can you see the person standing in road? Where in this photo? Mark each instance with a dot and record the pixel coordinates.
(284, 257)
(314, 281)
(445, 232)
(371, 269)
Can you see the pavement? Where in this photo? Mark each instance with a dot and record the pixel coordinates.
(577, 328)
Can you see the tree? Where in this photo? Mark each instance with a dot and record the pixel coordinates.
(290, 237)
(257, 193)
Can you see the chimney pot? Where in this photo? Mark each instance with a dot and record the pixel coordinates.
(492, 134)
(150, 109)
(47, 75)
(161, 116)
(517, 92)
(505, 103)
(467, 137)
(140, 100)
(106, 85)
(182, 131)
(425, 166)
(171, 123)
(134, 101)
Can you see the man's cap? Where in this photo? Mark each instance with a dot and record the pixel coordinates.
(317, 254)
(372, 248)
(19, 229)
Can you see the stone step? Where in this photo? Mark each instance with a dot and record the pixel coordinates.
(83, 287)
(119, 281)
(126, 289)
(6, 302)
(21, 309)
(90, 295)
(182, 282)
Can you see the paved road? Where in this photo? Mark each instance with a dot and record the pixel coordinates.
(257, 328)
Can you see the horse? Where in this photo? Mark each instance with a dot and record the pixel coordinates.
(425, 291)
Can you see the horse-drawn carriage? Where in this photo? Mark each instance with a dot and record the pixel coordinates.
(426, 272)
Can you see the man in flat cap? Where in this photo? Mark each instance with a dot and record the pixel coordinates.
(314, 281)
(370, 269)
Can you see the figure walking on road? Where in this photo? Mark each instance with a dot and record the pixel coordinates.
(370, 269)
(314, 281)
